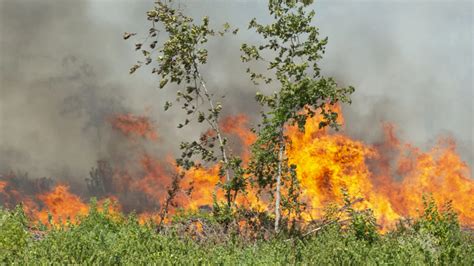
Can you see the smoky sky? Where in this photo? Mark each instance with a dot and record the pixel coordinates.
(64, 72)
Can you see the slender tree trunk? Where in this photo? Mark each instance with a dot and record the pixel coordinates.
(215, 126)
(278, 182)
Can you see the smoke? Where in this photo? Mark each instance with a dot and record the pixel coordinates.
(411, 64)
(64, 71)
(58, 88)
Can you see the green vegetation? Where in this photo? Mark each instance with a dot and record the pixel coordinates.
(100, 238)
(295, 50)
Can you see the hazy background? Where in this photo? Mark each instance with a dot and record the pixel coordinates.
(64, 71)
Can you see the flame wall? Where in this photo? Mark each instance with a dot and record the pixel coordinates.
(391, 177)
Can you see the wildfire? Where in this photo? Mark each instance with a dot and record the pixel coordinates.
(3, 184)
(441, 173)
(390, 177)
(238, 126)
(132, 125)
(61, 205)
(329, 162)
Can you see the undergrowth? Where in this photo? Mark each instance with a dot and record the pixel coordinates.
(435, 237)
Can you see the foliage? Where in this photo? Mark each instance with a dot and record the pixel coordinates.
(363, 223)
(295, 47)
(13, 233)
(179, 46)
(102, 238)
(443, 224)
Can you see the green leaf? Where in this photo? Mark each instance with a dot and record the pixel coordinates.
(163, 83)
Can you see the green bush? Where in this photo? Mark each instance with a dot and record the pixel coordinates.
(14, 237)
(100, 238)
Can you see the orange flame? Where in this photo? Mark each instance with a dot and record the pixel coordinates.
(132, 125)
(326, 163)
(62, 205)
(3, 185)
(391, 177)
(238, 126)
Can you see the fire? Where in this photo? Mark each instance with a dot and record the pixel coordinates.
(3, 184)
(155, 180)
(441, 173)
(326, 163)
(153, 217)
(390, 177)
(62, 205)
(238, 126)
(199, 186)
(135, 126)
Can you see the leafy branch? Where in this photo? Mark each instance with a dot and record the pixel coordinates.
(179, 56)
(296, 48)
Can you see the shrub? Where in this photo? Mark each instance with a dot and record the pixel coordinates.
(108, 238)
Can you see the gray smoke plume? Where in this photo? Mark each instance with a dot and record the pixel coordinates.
(64, 72)
(411, 64)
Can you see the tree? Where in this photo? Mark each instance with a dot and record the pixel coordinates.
(178, 46)
(295, 50)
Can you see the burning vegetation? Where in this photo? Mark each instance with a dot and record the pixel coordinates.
(390, 178)
(134, 126)
(296, 175)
